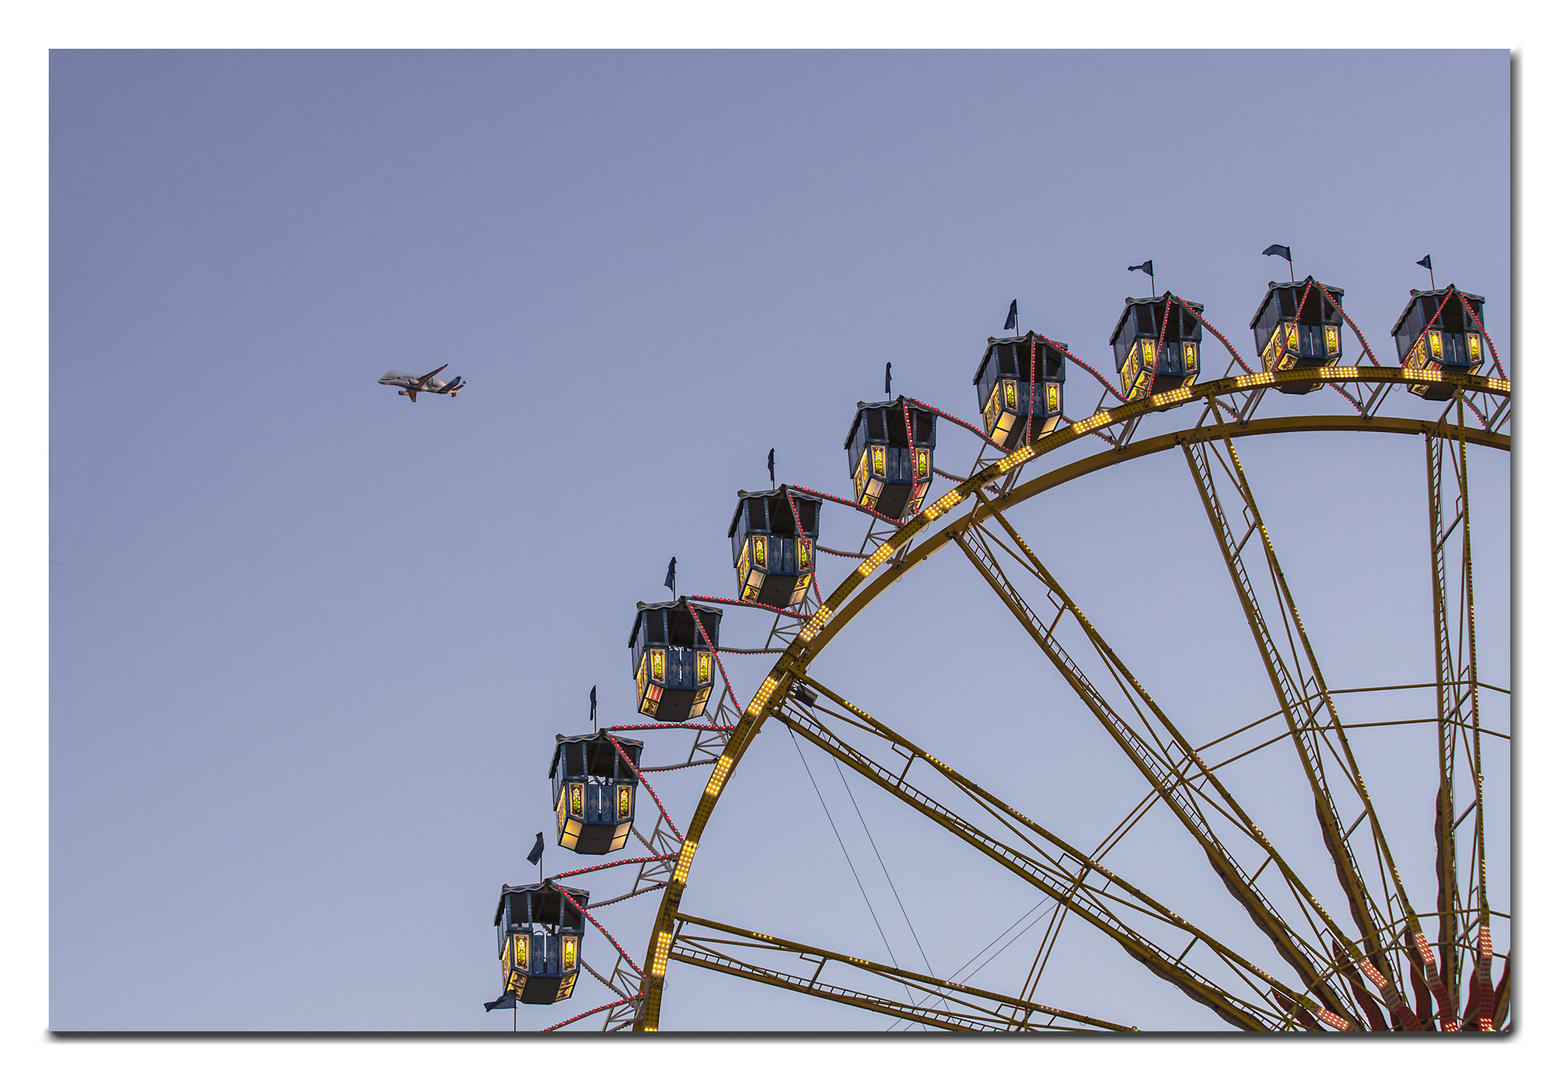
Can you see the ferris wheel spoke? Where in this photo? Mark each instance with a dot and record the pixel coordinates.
(1459, 714)
(1166, 759)
(1063, 872)
(1308, 707)
(747, 954)
(1058, 912)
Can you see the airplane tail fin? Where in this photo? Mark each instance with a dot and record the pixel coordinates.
(456, 385)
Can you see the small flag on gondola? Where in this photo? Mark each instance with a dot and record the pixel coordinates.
(1012, 317)
(1425, 263)
(887, 379)
(1279, 249)
(671, 575)
(1146, 266)
(535, 853)
(771, 466)
(592, 708)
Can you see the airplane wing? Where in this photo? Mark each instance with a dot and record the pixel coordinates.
(424, 380)
(411, 394)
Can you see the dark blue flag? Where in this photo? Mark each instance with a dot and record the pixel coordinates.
(535, 853)
(1012, 317)
(592, 708)
(1425, 263)
(1278, 249)
(671, 575)
(771, 466)
(887, 379)
(1146, 268)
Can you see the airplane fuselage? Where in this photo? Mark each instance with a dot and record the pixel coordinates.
(412, 385)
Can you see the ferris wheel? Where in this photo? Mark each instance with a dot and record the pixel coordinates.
(1309, 848)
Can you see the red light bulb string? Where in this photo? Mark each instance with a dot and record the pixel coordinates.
(621, 951)
(607, 865)
(640, 777)
(801, 538)
(1238, 359)
(599, 1008)
(716, 652)
(1492, 351)
(1346, 318)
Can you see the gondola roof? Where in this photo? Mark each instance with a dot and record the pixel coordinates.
(991, 343)
(898, 402)
(1416, 294)
(581, 896)
(772, 492)
(1274, 286)
(679, 603)
(1132, 301)
(599, 736)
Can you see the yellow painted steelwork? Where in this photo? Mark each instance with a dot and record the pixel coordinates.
(858, 589)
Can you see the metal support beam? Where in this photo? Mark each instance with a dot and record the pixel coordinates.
(708, 944)
(1302, 695)
(1484, 1016)
(1454, 690)
(1164, 757)
(1057, 868)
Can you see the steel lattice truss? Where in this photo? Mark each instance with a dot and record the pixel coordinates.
(1378, 958)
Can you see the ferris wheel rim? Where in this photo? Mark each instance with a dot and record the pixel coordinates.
(863, 585)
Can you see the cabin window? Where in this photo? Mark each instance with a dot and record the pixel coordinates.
(808, 512)
(603, 759)
(1006, 362)
(757, 516)
(682, 631)
(780, 516)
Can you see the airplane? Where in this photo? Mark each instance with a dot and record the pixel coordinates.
(413, 384)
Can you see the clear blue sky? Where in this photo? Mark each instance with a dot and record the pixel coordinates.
(310, 643)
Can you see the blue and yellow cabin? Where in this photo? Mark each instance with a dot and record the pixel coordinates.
(673, 661)
(1435, 333)
(539, 936)
(1147, 365)
(593, 791)
(1288, 338)
(772, 552)
(1018, 384)
(889, 448)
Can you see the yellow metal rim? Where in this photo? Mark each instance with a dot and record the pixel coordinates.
(860, 587)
